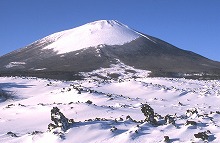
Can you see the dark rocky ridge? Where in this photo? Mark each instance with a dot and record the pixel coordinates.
(153, 54)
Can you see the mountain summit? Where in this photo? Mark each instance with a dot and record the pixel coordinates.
(100, 44)
(103, 32)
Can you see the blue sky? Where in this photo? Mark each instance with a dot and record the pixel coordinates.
(188, 24)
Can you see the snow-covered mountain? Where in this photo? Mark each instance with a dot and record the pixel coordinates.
(103, 32)
(99, 44)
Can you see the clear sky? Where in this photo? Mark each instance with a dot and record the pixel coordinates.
(188, 24)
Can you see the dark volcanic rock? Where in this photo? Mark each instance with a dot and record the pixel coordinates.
(59, 119)
(148, 113)
(202, 135)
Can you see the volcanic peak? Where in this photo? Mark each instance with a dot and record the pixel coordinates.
(107, 32)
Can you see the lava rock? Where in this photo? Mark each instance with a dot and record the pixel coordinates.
(113, 129)
(190, 123)
(12, 134)
(169, 119)
(192, 111)
(202, 135)
(59, 119)
(148, 113)
(166, 139)
(89, 102)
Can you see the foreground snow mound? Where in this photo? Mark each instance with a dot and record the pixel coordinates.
(122, 109)
(97, 33)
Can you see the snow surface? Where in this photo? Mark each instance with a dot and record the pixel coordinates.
(15, 64)
(102, 32)
(27, 112)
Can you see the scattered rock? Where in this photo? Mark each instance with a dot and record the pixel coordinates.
(78, 89)
(136, 131)
(59, 119)
(192, 111)
(109, 95)
(89, 102)
(96, 119)
(9, 106)
(193, 123)
(70, 121)
(41, 104)
(21, 105)
(100, 119)
(51, 127)
(49, 84)
(202, 135)
(118, 119)
(180, 104)
(89, 120)
(113, 128)
(169, 119)
(36, 132)
(70, 103)
(148, 113)
(12, 134)
(128, 117)
(166, 139)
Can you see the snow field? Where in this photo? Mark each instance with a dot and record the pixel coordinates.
(105, 118)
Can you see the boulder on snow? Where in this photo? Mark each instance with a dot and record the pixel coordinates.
(166, 139)
(191, 111)
(202, 135)
(59, 119)
(193, 123)
(169, 119)
(12, 134)
(148, 113)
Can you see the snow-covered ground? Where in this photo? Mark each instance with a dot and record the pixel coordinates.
(100, 108)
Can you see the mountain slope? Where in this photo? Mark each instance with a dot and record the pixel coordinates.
(99, 44)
